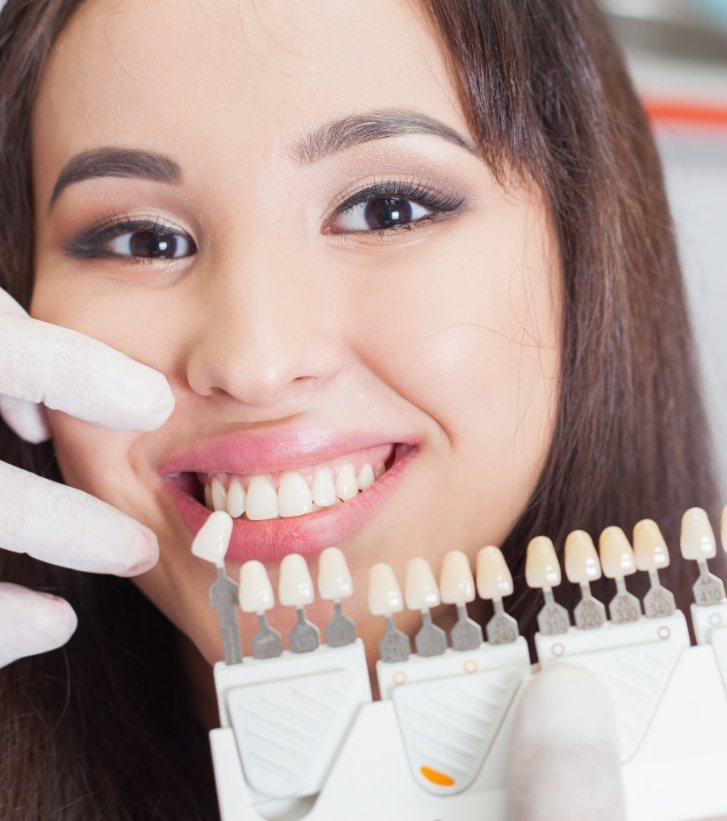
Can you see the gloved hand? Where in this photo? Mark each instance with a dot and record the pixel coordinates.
(43, 364)
(563, 757)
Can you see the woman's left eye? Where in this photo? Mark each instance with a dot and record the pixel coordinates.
(135, 240)
(391, 206)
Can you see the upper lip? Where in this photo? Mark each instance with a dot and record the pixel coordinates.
(248, 453)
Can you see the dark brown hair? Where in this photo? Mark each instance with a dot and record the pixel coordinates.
(95, 729)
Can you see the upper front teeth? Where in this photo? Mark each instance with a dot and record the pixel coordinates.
(294, 497)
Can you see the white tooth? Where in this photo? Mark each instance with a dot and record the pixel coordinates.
(334, 577)
(541, 564)
(208, 496)
(420, 588)
(379, 470)
(256, 592)
(213, 538)
(616, 554)
(261, 499)
(295, 586)
(323, 490)
(365, 477)
(235, 503)
(697, 537)
(346, 487)
(218, 494)
(650, 548)
(456, 583)
(384, 591)
(581, 559)
(294, 497)
(494, 580)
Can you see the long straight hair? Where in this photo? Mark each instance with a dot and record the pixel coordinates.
(98, 729)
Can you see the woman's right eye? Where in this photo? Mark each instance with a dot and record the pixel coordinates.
(137, 240)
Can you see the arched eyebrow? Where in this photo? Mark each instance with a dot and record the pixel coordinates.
(327, 139)
(346, 132)
(116, 162)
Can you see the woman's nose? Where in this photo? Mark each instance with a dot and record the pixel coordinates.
(265, 334)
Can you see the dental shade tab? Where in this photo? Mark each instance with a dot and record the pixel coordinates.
(301, 737)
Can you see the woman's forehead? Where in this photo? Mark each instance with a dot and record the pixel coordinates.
(231, 77)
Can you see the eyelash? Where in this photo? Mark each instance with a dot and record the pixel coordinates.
(88, 244)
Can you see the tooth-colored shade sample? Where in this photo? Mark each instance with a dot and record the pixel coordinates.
(213, 538)
(581, 559)
(334, 577)
(456, 582)
(541, 564)
(650, 547)
(697, 537)
(617, 555)
(494, 579)
(256, 592)
(384, 591)
(420, 587)
(295, 586)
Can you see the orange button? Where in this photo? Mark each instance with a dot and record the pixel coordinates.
(436, 777)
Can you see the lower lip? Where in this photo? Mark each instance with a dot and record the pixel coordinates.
(268, 540)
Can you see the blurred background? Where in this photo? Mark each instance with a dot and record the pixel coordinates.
(677, 52)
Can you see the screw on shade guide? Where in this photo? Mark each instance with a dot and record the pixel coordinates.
(581, 558)
(543, 571)
(494, 580)
(256, 592)
(335, 584)
(617, 561)
(334, 577)
(385, 599)
(456, 582)
(650, 548)
(582, 567)
(541, 564)
(384, 592)
(213, 538)
(698, 544)
(616, 554)
(420, 587)
(295, 586)
(697, 537)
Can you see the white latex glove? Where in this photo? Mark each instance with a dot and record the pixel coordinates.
(563, 758)
(67, 371)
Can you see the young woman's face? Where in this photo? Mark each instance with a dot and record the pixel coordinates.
(321, 265)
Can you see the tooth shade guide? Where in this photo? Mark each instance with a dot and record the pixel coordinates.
(617, 561)
(213, 538)
(335, 584)
(698, 544)
(582, 567)
(457, 587)
(422, 593)
(542, 571)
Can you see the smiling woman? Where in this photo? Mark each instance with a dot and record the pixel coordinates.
(407, 269)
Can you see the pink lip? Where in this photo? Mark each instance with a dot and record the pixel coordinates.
(269, 540)
(256, 453)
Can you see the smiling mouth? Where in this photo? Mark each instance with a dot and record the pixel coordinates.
(295, 493)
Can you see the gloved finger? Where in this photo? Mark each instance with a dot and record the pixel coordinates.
(32, 622)
(26, 419)
(71, 372)
(563, 758)
(67, 527)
